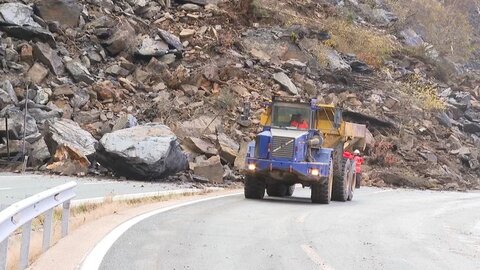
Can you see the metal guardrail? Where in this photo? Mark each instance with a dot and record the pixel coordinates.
(22, 213)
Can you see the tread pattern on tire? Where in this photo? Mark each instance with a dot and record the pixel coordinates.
(254, 188)
(320, 193)
(340, 189)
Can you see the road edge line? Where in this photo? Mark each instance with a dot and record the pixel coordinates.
(95, 257)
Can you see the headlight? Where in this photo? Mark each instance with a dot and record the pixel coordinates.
(315, 172)
(251, 167)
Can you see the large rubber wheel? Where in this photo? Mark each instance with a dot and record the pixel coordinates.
(254, 187)
(322, 193)
(277, 190)
(338, 161)
(340, 184)
(290, 190)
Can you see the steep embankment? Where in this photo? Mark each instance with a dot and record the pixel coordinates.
(192, 66)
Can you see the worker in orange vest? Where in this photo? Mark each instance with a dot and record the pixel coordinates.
(299, 122)
(358, 167)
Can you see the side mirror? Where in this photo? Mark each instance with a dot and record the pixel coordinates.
(337, 118)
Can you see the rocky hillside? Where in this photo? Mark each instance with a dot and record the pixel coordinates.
(94, 67)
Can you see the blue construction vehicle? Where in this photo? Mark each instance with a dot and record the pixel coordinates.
(303, 143)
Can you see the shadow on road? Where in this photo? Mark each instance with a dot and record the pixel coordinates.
(297, 200)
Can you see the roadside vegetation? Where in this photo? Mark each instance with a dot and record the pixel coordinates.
(423, 93)
(369, 46)
(444, 24)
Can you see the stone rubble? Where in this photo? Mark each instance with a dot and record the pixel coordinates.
(101, 72)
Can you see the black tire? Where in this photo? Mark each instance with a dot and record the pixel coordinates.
(322, 193)
(338, 161)
(290, 190)
(277, 190)
(340, 181)
(254, 187)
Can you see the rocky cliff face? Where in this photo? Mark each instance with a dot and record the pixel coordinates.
(191, 65)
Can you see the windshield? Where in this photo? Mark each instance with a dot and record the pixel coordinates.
(291, 115)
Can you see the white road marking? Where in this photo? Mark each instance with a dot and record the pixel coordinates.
(313, 255)
(95, 257)
(6, 188)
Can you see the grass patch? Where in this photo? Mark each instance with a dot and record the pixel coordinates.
(423, 92)
(445, 24)
(369, 46)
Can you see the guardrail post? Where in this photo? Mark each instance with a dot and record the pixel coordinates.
(65, 218)
(3, 254)
(47, 230)
(25, 248)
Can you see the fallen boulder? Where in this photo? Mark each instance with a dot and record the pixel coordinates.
(37, 73)
(471, 127)
(240, 163)
(210, 169)
(43, 53)
(30, 33)
(228, 148)
(336, 62)
(15, 124)
(384, 17)
(15, 147)
(190, 7)
(115, 43)
(411, 38)
(8, 88)
(126, 121)
(43, 114)
(69, 160)
(285, 82)
(43, 95)
(203, 2)
(151, 47)
(40, 153)
(66, 12)
(67, 132)
(172, 40)
(200, 146)
(197, 127)
(5, 98)
(79, 72)
(143, 152)
(399, 180)
(80, 98)
(17, 14)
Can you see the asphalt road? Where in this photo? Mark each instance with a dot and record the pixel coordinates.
(380, 229)
(15, 187)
